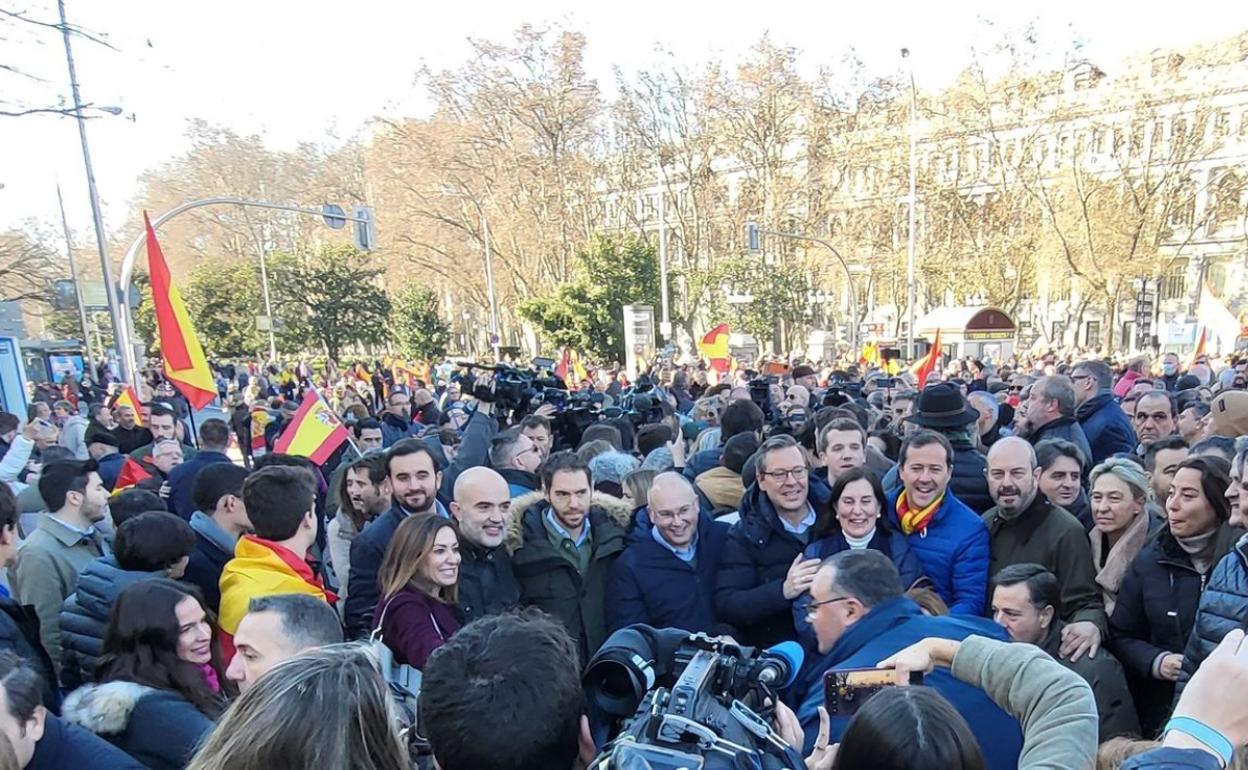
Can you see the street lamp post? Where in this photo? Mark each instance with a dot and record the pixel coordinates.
(752, 237)
(114, 312)
(665, 328)
(912, 199)
(73, 274)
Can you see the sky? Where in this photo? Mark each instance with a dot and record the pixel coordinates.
(306, 70)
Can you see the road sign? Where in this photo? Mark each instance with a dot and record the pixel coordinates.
(334, 216)
(365, 228)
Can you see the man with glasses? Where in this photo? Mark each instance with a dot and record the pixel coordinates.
(762, 571)
(514, 455)
(1106, 426)
(666, 577)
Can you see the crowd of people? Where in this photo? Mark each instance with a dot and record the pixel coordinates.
(1059, 544)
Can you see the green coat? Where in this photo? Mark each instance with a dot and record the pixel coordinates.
(1048, 535)
(549, 582)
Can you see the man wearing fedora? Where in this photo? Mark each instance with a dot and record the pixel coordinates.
(942, 408)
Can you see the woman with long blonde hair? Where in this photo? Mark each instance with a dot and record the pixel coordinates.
(267, 728)
(418, 582)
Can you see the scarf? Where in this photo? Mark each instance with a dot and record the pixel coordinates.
(210, 676)
(1199, 548)
(1119, 558)
(913, 520)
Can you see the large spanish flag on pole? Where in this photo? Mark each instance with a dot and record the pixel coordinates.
(185, 365)
(314, 433)
(923, 368)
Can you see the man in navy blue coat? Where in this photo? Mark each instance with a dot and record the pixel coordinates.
(666, 576)
(861, 617)
(1107, 427)
(214, 440)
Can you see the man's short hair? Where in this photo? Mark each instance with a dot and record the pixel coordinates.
(129, 503)
(368, 423)
(66, 406)
(162, 409)
(535, 421)
(737, 450)
(1196, 405)
(23, 687)
(867, 575)
(1170, 442)
(1059, 389)
(306, 622)
(8, 422)
(8, 508)
(374, 464)
(277, 498)
(603, 432)
(741, 416)
(57, 480)
(503, 447)
(979, 398)
(1169, 397)
(152, 541)
(921, 438)
(773, 444)
(1042, 587)
(841, 423)
(651, 437)
(410, 446)
(1224, 446)
(509, 665)
(1050, 449)
(560, 462)
(1100, 372)
(214, 434)
(214, 482)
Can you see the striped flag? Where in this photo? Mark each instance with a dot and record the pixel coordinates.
(185, 364)
(131, 473)
(714, 346)
(314, 433)
(923, 368)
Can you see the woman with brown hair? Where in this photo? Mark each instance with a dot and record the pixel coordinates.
(418, 579)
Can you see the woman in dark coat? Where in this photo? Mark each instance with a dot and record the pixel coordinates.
(1159, 595)
(418, 579)
(160, 677)
(857, 521)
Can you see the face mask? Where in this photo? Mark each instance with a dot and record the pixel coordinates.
(1169, 369)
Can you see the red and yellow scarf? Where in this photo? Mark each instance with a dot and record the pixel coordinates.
(915, 520)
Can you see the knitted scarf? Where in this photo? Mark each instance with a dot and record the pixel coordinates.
(912, 519)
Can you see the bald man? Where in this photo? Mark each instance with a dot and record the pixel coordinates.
(1026, 528)
(666, 578)
(482, 507)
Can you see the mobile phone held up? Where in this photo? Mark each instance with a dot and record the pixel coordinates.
(846, 689)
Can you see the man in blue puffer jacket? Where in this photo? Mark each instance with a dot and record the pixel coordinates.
(949, 538)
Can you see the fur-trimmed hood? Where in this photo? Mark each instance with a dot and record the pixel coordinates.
(617, 510)
(104, 709)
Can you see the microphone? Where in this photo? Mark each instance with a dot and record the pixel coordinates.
(781, 663)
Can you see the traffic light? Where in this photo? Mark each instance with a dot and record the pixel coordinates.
(365, 228)
(753, 238)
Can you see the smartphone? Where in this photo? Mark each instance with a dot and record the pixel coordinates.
(846, 689)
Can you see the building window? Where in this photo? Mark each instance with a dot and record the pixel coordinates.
(1174, 282)
(1221, 124)
(1218, 275)
(1092, 334)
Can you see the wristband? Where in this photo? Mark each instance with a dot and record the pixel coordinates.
(1216, 741)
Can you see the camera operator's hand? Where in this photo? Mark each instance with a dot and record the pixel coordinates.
(1079, 639)
(790, 730)
(924, 655)
(483, 389)
(1214, 696)
(801, 575)
(546, 410)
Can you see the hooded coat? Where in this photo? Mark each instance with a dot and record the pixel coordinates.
(159, 728)
(85, 614)
(549, 581)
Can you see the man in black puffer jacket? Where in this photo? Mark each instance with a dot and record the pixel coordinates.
(151, 545)
(944, 409)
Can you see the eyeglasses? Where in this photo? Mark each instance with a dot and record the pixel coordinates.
(779, 476)
(813, 607)
(1077, 377)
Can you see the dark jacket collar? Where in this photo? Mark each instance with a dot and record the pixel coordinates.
(759, 517)
(1093, 405)
(878, 621)
(521, 478)
(1030, 518)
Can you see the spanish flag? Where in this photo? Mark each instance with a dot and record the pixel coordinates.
(870, 355)
(260, 419)
(570, 369)
(131, 474)
(1201, 349)
(127, 397)
(185, 365)
(715, 347)
(923, 368)
(314, 433)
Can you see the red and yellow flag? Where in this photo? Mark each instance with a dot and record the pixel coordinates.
(131, 474)
(923, 368)
(870, 355)
(314, 433)
(1201, 348)
(570, 369)
(127, 397)
(714, 346)
(185, 365)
